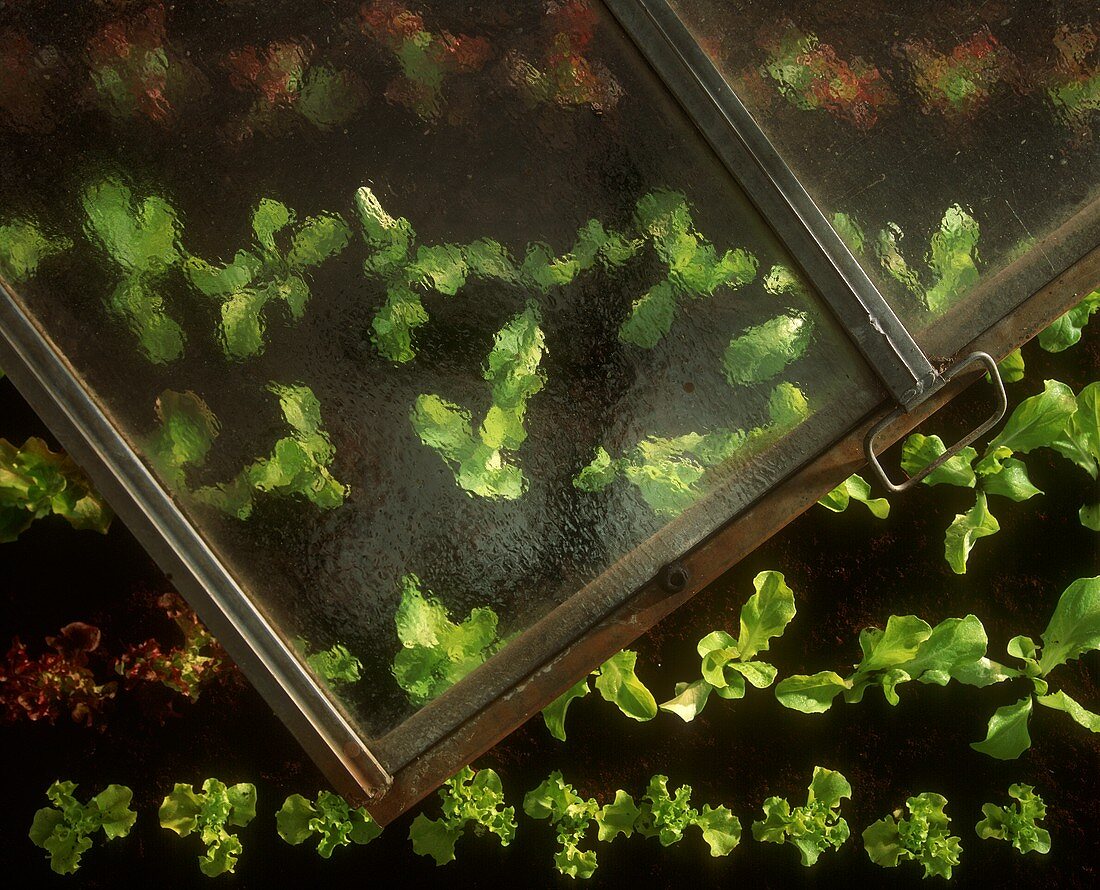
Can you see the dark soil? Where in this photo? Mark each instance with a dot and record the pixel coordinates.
(848, 571)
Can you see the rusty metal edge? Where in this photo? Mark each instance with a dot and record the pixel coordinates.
(717, 554)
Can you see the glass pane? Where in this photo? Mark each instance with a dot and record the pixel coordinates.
(946, 140)
(414, 306)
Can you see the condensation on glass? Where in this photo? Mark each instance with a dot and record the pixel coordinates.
(953, 144)
(482, 239)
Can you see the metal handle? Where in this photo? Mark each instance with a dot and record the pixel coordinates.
(958, 368)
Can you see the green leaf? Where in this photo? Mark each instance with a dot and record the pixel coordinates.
(1066, 331)
(1089, 515)
(952, 259)
(762, 352)
(689, 701)
(554, 713)
(919, 451)
(651, 317)
(1011, 367)
(665, 816)
(1017, 823)
(336, 664)
(812, 694)
(924, 837)
(1074, 628)
(895, 645)
(617, 817)
(293, 819)
(435, 838)
(618, 684)
(269, 218)
(721, 829)
(115, 816)
(965, 530)
(765, 614)
(1011, 482)
(1038, 421)
(1059, 701)
(855, 488)
(1007, 736)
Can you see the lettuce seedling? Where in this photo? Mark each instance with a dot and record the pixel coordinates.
(298, 464)
(336, 664)
(64, 830)
(480, 464)
(907, 649)
(924, 836)
(1017, 823)
(469, 796)
(1074, 629)
(36, 482)
(667, 471)
(695, 269)
(951, 259)
(1066, 331)
(667, 816)
(23, 246)
(617, 682)
(812, 828)
(762, 352)
(330, 817)
(267, 272)
(184, 669)
(436, 653)
(142, 240)
(570, 815)
(55, 682)
(209, 812)
(727, 662)
(855, 488)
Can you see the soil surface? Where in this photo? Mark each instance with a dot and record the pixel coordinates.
(848, 571)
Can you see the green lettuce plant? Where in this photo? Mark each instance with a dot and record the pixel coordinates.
(297, 467)
(435, 651)
(907, 649)
(1017, 823)
(210, 813)
(470, 796)
(762, 352)
(1054, 419)
(617, 682)
(64, 830)
(267, 272)
(480, 464)
(924, 836)
(1073, 630)
(571, 815)
(727, 663)
(668, 472)
(951, 259)
(329, 817)
(36, 482)
(141, 238)
(23, 246)
(336, 664)
(812, 828)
